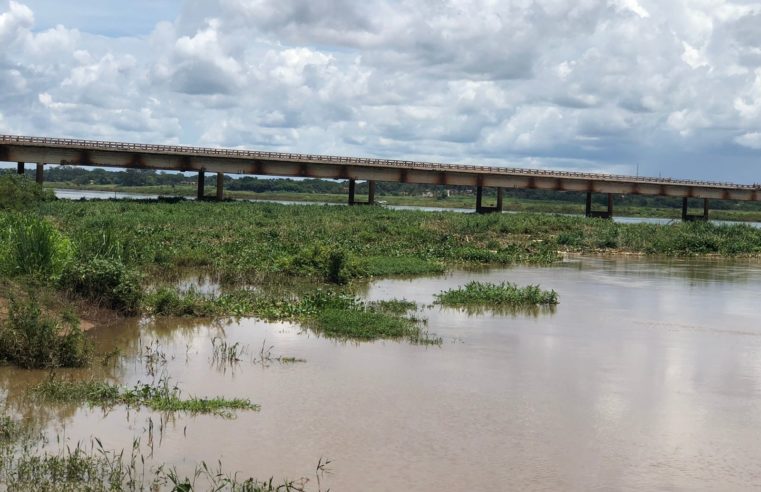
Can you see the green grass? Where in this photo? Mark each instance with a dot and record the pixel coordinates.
(161, 397)
(503, 294)
(26, 466)
(31, 339)
(104, 252)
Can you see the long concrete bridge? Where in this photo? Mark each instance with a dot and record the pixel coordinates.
(42, 150)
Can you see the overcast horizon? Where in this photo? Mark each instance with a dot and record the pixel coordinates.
(602, 86)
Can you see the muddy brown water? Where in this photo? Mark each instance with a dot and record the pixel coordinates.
(647, 376)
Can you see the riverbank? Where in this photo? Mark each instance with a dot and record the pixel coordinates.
(107, 252)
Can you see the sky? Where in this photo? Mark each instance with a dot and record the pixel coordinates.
(668, 88)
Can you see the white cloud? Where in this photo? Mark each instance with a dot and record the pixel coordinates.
(588, 84)
(750, 140)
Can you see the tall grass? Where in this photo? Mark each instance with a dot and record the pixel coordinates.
(32, 246)
(30, 339)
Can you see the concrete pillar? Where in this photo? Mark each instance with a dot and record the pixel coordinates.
(479, 199)
(610, 205)
(588, 208)
(705, 208)
(499, 199)
(220, 186)
(201, 184)
(352, 191)
(39, 176)
(371, 192)
(685, 217)
(20, 168)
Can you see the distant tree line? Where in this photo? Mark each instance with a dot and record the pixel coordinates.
(137, 177)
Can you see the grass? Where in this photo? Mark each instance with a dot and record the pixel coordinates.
(503, 294)
(26, 466)
(160, 397)
(32, 340)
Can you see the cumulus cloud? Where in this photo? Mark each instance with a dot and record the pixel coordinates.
(588, 84)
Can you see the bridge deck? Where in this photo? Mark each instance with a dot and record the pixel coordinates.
(180, 158)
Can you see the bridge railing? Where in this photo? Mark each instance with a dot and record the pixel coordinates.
(327, 159)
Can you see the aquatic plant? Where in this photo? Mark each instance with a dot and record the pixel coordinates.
(160, 396)
(105, 281)
(30, 339)
(25, 466)
(489, 294)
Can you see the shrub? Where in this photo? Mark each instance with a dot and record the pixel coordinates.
(105, 281)
(18, 192)
(32, 340)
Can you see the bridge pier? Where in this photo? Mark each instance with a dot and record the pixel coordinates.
(608, 214)
(20, 168)
(686, 217)
(39, 174)
(200, 192)
(353, 192)
(220, 186)
(480, 208)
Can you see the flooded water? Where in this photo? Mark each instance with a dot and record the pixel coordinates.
(646, 376)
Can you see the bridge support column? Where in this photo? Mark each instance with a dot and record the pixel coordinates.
(352, 191)
(480, 208)
(371, 192)
(20, 168)
(201, 183)
(220, 186)
(610, 206)
(588, 207)
(608, 214)
(39, 174)
(687, 217)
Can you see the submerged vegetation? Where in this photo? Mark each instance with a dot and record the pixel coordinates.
(161, 397)
(504, 294)
(26, 465)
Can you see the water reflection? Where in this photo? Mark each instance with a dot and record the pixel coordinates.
(647, 376)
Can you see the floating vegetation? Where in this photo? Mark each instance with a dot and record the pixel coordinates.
(497, 295)
(161, 397)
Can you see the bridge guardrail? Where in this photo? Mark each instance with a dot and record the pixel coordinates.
(327, 159)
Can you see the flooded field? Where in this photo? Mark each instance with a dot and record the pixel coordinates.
(646, 376)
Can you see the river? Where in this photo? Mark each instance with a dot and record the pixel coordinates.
(646, 376)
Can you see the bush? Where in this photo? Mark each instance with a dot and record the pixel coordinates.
(32, 246)
(105, 281)
(31, 340)
(334, 265)
(18, 192)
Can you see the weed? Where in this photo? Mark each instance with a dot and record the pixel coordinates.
(105, 281)
(30, 339)
(503, 294)
(161, 397)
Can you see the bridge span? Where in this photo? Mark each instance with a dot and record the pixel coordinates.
(72, 152)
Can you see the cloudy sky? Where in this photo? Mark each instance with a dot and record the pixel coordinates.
(598, 85)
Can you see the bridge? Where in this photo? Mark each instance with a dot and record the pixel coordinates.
(42, 150)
